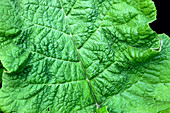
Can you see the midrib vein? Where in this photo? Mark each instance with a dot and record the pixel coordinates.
(87, 79)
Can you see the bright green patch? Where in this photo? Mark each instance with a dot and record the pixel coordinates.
(102, 110)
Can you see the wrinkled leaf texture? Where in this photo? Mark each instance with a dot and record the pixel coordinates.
(82, 56)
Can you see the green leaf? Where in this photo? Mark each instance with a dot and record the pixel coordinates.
(79, 56)
(102, 110)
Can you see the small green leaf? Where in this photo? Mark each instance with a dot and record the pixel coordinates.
(102, 110)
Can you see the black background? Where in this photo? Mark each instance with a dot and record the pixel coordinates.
(162, 24)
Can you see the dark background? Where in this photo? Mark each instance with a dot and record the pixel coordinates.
(162, 24)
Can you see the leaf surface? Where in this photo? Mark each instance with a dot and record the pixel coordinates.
(83, 56)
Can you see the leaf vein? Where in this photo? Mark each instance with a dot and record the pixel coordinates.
(129, 87)
(96, 29)
(44, 26)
